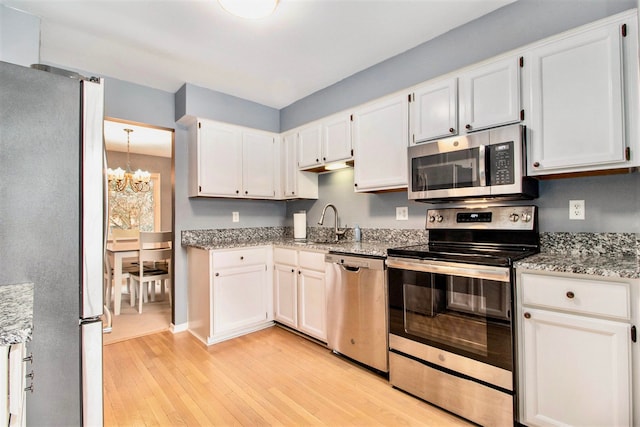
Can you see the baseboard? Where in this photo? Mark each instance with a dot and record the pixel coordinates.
(178, 328)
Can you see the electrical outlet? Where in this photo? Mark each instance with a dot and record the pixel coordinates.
(576, 209)
(402, 213)
(235, 216)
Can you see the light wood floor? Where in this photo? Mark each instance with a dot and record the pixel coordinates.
(271, 377)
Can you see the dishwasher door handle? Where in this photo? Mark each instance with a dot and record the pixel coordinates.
(350, 268)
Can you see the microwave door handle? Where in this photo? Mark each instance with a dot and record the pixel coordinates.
(482, 161)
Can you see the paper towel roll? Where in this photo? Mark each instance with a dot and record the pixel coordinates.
(300, 225)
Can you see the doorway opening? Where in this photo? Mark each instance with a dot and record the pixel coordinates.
(131, 146)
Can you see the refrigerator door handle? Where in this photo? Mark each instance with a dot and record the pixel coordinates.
(92, 174)
(107, 317)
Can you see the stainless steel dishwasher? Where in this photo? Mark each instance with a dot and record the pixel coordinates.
(357, 309)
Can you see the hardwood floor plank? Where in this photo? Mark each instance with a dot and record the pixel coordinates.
(270, 377)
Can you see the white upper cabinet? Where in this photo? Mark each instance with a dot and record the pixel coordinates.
(325, 141)
(295, 183)
(483, 96)
(258, 165)
(231, 161)
(380, 140)
(215, 151)
(310, 146)
(336, 141)
(490, 95)
(434, 110)
(584, 95)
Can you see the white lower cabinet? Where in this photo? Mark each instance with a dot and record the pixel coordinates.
(230, 292)
(12, 385)
(575, 350)
(300, 291)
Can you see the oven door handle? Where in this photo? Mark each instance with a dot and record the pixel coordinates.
(499, 274)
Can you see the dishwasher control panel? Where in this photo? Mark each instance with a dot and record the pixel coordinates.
(355, 261)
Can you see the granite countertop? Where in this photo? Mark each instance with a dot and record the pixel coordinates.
(16, 313)
(375, 242)
(609, 265)
(357, 248)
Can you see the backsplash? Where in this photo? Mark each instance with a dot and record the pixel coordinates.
(624, 244)
(402, 236)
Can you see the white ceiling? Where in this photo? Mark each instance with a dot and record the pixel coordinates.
(143, 140)
(305, 46)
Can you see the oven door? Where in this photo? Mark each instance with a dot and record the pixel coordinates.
(464, 309)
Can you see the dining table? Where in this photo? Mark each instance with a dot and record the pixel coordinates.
(117, 252)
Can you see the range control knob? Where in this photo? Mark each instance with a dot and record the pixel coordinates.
(514, 217)
(432, 218)
(439, 218)
(525, 217)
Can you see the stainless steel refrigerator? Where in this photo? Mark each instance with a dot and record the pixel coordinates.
(52, 233)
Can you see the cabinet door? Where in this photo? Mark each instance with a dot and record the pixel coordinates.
(577, 102)
(380, 140)
(289, 165)
(312, 304)
(286, 294)
(239, 298)
(490, 95)
(310, 146)
(576, 370)
(434, 111)
(219, 159)
(258, 152)
(297, 184)
(336, 138)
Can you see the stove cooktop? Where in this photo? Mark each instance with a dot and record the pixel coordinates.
(473, 255)
(497, 235)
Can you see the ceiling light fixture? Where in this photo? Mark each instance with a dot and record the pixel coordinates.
(249, 9)
(119, 179)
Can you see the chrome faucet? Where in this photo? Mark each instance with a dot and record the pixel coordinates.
(336, 232)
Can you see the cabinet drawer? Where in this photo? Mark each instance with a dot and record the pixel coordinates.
(596, 297)
(285, 256)
(311, 260)
(239, 257)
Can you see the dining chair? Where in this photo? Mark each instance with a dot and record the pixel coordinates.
(128, 235)
(108, 277)
(154, 264)
(121, 234)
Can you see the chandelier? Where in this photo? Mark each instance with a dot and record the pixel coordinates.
(119, 179)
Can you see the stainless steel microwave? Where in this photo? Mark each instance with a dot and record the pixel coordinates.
(485, 165)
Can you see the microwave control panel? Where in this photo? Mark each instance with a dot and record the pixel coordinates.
(501, 166)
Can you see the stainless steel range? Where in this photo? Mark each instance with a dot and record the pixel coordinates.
(450, 310)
